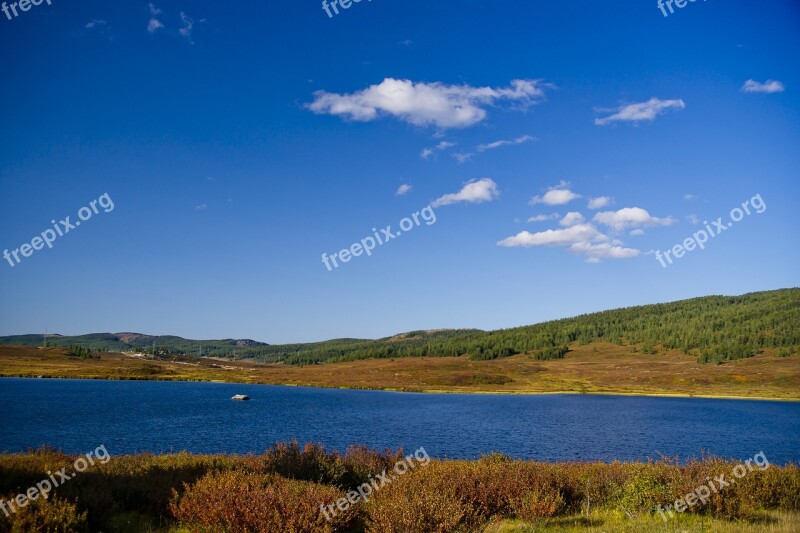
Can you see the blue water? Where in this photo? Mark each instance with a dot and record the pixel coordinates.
(137, 416)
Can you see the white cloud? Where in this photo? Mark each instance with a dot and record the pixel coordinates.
(558, 237)
(769, 86)
(403, 189)
(443, 145)
(572, 218)
(637, 232)
(462, 157)
(630, 217)
(558, 195)
(498, 144)
(544, 218)
(407, 42)
(595, 252)
(474, 191)
(201, 207)
(154, 25)
(641, 111)
(580, 239)
(188, 25)
(599, 202)
(153, 9)
(96, 22)
(689, 197)
(425, 104)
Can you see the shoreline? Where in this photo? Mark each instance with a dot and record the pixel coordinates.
(433, 391)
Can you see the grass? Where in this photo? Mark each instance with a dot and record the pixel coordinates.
(598, 368)
(617, 522)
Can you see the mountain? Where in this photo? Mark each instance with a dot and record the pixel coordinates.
(712, 328)
(127, 342)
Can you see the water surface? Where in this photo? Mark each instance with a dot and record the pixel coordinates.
(137, 416)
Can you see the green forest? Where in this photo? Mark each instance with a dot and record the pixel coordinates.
(712, 328)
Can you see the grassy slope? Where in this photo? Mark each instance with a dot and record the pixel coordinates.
(593, 368)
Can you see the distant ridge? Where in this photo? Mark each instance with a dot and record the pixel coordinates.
(712, 328)
(128, 341)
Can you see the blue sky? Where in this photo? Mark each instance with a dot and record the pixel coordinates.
(240, 143)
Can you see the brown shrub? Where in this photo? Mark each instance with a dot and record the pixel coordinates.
(541, 502)
(418, 502)
(251, 502)
(53, 515)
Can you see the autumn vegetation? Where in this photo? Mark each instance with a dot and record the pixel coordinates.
(282, 490)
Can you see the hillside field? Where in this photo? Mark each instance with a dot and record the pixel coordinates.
(592, 368)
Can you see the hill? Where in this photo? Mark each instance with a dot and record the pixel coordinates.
(136, 342)
(712, 329)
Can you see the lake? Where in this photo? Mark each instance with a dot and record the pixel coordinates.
(137, 416)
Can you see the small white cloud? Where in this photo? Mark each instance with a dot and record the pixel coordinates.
(689, 197)
(153, 9)
(558, 195)
(426, 104)
(630, 217)
(441, 146)
(642, 111)
(201, 207)
(572, 218)
(403, 189)
(407, 42)
(637, 232)
(595, 252)
(693, 219)
(154, 25)
(188, 25)
(544, 218)
(581, 239)
(769, 86)
(498, 144)
(554, 237)
(599, 202)
(462, 157)
(96, 22)
(473, 192)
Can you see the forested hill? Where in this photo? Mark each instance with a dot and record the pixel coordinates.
(712, 328)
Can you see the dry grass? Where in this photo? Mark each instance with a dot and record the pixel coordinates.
(616, 522)
(598, 368)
